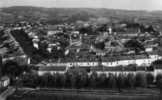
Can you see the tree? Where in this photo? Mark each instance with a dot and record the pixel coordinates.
(102, 28)
(141, 80)
(43, 49)
(130, 80)
(67, 81)
(120, 80)
(112, 81)
(158, 78)
(63, 80)
(30, 80)
(102, 80)
(58, 80)
(100, 45)
(93, 80)
(159, 85)
(88, 30)
(11, 69)
(135, 45)
(150, 78)
(82, 79)
(50, 80)
(73, 80)
(157, 62)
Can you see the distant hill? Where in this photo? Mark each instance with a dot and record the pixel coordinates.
(58, 15)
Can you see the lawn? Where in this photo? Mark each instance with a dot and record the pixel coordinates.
(137, 94)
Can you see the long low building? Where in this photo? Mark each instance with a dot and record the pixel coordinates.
(138, 62)
(115, 67)
(103, 70)
(99, 70)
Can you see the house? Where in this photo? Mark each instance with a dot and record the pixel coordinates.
(52, 46)
(35, 42)
(49, 33)
(157, 71)
(149, 49)
(53, 32)
(4, 81)
(1, 27)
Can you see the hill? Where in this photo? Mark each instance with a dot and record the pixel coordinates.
(58, 15)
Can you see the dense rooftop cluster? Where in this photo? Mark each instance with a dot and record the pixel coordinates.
(9, 47)
(86, 41)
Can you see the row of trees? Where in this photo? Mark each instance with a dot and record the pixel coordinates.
(76, 78)
(83, 80)
(13, 69)
(26, 43)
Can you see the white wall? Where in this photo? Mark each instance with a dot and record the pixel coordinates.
(40, 73)
(139, 62)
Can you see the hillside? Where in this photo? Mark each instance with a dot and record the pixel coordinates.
(58, 15)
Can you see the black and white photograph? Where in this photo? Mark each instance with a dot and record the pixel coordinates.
(80, 49)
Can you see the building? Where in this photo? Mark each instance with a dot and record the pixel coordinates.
(35, 42)
(75, 38)
(4, 81)
(51, 70)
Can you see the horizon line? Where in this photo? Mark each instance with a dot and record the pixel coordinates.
(81, 8)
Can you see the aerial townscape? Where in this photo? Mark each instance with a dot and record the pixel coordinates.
(80, 50)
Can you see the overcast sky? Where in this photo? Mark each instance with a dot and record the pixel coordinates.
(115, 4)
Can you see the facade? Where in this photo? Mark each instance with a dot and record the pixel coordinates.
(51, 70)
(104, 67)
(139, 62)
(4, 82)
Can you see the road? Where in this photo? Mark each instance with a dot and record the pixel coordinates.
(136, 92)
(9, 91)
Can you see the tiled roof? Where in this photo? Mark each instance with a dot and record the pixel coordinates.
(52, 68)
(118, 69)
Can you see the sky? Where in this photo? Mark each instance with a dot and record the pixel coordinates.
(114, 4)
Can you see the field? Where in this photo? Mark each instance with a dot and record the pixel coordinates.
(73, 94)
